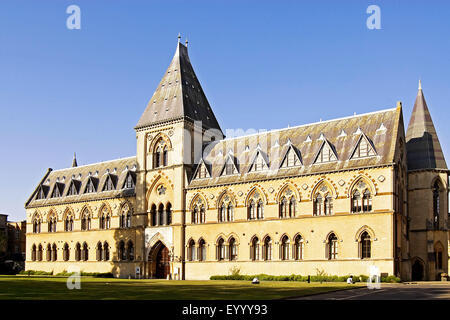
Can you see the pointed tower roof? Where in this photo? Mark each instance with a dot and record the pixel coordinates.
(74, 161)
(179, 95)
(422, 143)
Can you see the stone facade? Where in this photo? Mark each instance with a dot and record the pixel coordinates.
(334, 197)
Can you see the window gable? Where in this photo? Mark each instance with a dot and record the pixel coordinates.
(230, 167)
(130, 180)
(291, 158)
(259, 163)
(326, 153)
(91, 185)
(42, 192)
(110, 183)
(363, 149)
(202, 171)
(57, 190)
(74, 188)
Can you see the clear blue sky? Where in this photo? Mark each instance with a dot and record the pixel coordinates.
(262, 65)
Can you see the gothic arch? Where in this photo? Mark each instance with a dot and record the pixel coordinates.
(157, 138)
(287, 185)
(439, 181)
(196, 198)
(234, 236)
(51, 213)
(252, 191)
(321, 182)
(68, 211)
(285, 235)
(361, 230)
(36, 215)
(328, 236)
(371, 186)
(223, 194)
(102, 206)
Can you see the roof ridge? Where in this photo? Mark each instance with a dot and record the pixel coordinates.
(91, 164)
(308, 124)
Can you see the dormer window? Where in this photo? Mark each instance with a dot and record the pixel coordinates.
(91, 185)
(110, 183)
(229, 167)
(363, 149)
(291, 158)
(130, 181)
(202, 171)
(74, 188)
(326, 153)
(57, 190)
(259, 163)
(42, 192)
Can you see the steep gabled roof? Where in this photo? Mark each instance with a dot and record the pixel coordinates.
(422, 143)
(179, 96)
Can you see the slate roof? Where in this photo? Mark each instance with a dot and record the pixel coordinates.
(343, 134)
(422, 143)
(179, 96)
(98, 171)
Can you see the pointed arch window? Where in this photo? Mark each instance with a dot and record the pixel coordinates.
(221, 250)
(298, 247)
(52, 222)
(202, 250)
(323, 201)
(66, 252)
(99, 251)
(85, 252)
(78, 252)
(49, 252)
(105, 251)
(153, 216)
(85, 220)
(122, 252)
(288, 204)
(198, 213)
(365, 246)
(105, 218)
(232, 247)
(267, 249)
(33, 253)
(54, 252)
(438, 252)
(160, 154)
(39, 253)
(254, 249)
(130, 251)
(332, 247)
(361, 198)
(68, 223)
(284, 248)
(226, 209)
(191, 250)
(37, 224)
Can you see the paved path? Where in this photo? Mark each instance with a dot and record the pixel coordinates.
(409, 291)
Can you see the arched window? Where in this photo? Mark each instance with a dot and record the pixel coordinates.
(51, 222)
(161, 214)
(332, 246)
(130, 251)
(33, 253)
(105, 218)
(160, 154)
(85, 220)
(283, 208)
(201, 250)
(267, 250)
(105, 251)
(323, 202)
(99, 251)
(254, 249)
(125, 216)
(287, 204)
(68, 223)
(284, 248)
(361, 197)
(66, 252)
(233, 249)
(37, 224)
(153, 215)
(122, 252)
(226, 209)
(198, 214)
(78, 252)
(54, 252)
(169, 213)
(292, 206)
(39, 253)
(191, 250)
(438, 251)
(255, 206)
(365, 246)
(298, 247)
(49, 252)
(436, 205)
(85, 252)
(221, 249)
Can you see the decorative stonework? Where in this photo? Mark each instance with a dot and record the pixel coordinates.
(170, 133)
(240, 193)
(271, 190)
(305, 186)
(341, 182)
(381, 178)
(211, 196)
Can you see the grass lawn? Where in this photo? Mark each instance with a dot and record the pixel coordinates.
(48, 288)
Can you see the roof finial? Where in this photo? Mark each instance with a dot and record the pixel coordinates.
(186, 42)
(420, 84)
(74, 161)
(179, 37)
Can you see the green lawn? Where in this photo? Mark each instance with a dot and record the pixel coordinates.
(23, 287)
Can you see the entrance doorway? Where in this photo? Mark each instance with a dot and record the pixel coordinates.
(417, 271)
(159, 261)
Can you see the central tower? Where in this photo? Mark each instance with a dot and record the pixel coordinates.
(171, 132)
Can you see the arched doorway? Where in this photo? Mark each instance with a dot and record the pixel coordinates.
(417, 271)
(159, 261)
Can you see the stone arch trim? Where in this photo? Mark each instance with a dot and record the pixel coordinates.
(285, 235)
(361, 230)
(222, 194)
(286, 185)
(155, 181)
(220, 235)
(263, 239)
(439, 180)
(198, 195)
(328, 235)
(158, 137)
(51, 212)
(86, 208)
(68, 211)
(235, 237)
(330, 184)
(123, 203)
(299, 234)
(36, 215)
(354, 181)
(253, 189)
(104, 205)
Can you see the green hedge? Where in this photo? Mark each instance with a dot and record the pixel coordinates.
(294, 277)
(67, 274)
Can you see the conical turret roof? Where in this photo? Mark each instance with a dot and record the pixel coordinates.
(179, 95)
(422, 143)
